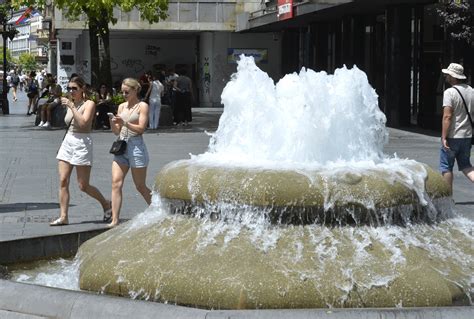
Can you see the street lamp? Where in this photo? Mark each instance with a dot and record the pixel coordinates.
(8, 31)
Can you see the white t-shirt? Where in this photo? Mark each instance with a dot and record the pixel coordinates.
(156, 91)
(460, 125)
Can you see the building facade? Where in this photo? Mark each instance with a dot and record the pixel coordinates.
(29, 36)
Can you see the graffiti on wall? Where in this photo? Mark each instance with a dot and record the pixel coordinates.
(207, 76)
(83, 67)
(113, 64)
(134, 64)
(152, 50)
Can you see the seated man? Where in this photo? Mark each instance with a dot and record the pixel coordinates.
(53, 101)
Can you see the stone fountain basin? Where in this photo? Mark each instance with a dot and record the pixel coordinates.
(373, 196)
(214, 263)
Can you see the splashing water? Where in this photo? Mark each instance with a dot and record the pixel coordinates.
(305, 119)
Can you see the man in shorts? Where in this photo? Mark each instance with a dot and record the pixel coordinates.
(456, 126)
(14, 82)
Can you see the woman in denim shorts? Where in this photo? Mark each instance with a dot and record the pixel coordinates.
(130, 123)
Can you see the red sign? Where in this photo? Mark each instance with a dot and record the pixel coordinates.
(285, 9)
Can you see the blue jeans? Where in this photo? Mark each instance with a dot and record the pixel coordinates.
(136, 154)
(460, 151)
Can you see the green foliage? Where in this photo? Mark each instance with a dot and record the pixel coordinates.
(27, 62)
(118, 99)
(9, 56)
(150, 10)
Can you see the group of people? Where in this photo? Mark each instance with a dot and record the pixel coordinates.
(129, 123)
(168, 88)
(32, 83)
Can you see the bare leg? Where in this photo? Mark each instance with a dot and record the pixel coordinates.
(48, 113)
(83, 177)
(448, 177)
(65, 170)
(469, 172)
(30, 101)
(139, 178)
(43, 110)
(118, 176)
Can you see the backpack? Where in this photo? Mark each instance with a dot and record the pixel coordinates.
(15, 79)
(32, 87)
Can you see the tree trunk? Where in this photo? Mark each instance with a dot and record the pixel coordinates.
(94, 47)
(105, 70)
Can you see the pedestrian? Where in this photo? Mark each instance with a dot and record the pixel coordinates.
(22, 81)
(104, 105)
(32, 92)
(130, 124)
(76, 150)
(153, 96)
(184, 99)
(14, 82)
(456, 125)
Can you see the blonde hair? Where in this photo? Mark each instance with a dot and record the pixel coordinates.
(132, 83)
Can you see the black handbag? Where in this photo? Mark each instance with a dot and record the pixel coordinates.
(468, 114)
(118, 147)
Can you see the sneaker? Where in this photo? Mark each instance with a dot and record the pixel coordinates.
(41, 123)
(46, 125)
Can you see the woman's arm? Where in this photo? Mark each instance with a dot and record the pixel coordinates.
(83, 120)
(116, 121)
(148, 92)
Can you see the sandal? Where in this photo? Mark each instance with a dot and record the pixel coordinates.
(108, 214)
(59, 222)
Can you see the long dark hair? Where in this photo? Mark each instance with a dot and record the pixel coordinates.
(106, 91)
(83, 85)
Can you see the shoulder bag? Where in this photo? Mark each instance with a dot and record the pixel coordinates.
(468, 114)
(120, 146)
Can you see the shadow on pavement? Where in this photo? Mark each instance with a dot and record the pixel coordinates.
(18, 207)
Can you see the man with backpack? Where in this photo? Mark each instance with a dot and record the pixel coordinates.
(457, 126)
(14, 82)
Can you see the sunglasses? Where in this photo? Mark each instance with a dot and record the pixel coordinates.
(72, 88)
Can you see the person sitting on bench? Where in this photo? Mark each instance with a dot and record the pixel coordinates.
(54, 100)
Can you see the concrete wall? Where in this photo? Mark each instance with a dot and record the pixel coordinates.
(131, 56)
(134, 53)
(216, 53)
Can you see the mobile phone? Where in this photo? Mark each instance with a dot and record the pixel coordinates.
(111, 115)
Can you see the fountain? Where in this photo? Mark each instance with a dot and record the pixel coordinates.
(293, 206)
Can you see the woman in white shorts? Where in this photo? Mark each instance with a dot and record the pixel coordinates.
(130, 122)
(76, 150)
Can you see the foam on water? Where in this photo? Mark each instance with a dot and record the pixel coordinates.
(310, 118)
(60, 273)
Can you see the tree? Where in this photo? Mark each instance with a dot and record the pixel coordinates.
(27, 62)
(99, 15)
(9, 56)
(457, 17)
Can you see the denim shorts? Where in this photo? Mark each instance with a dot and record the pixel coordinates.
(460, 150)
(136, 154)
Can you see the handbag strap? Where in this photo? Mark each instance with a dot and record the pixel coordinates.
(465, 105)
(129, 114)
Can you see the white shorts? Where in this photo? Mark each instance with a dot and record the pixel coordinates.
(76, 149)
